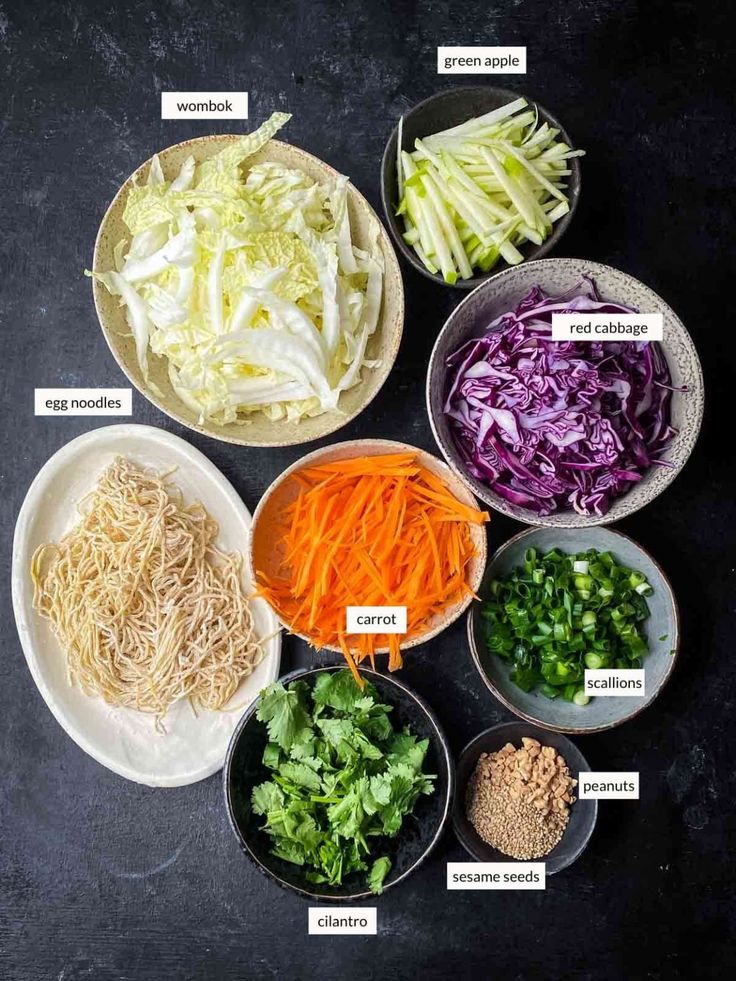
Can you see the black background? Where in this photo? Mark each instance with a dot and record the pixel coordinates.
(103, 879)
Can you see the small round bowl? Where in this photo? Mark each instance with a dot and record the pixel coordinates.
(583, 813)
(439, 112)
(266, 552)
(419, 833)
(257, 430)
(603, 712)
(471, 319)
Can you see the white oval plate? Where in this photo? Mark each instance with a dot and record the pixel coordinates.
(123, 739)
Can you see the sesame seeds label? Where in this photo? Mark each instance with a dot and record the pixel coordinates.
(496, 875)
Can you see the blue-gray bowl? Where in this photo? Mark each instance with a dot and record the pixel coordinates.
(603, 712)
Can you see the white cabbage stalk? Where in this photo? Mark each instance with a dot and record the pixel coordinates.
(248, 284)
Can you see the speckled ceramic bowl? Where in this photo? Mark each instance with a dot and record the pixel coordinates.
(662, 631)
(419, 833)
(257, 430)
(266, 551)
(495, 297)
(583, 813)
(441, 111)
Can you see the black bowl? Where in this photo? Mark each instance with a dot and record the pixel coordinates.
(441, 111)
(419, 833)
(583, 813)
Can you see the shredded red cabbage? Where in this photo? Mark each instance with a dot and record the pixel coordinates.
(551, 425)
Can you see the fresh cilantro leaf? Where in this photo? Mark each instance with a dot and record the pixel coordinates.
(347, 817)
(380, 789)
(406, 748)
(290, 851)
(376, 725)
(347, 739)
(272, 756)
(379, 870)
(336, 731)
(364, 747)
(301, 776)
(266, 797)
(339, 690)
(284, 713)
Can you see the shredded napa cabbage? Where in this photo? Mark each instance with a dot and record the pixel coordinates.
(249, 284)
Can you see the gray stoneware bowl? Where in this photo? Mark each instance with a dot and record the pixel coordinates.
(602, 712)
(419, 832)
(439, 112)
(471, 319)
(583, 813)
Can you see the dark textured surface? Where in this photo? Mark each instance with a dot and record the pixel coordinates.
(102, 879)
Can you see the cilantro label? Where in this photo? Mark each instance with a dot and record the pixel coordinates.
(375, 620)
(496, 875)
(336, 920)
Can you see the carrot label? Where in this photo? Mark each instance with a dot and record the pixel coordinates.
(375, 620)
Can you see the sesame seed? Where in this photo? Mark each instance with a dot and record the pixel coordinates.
(518, 800)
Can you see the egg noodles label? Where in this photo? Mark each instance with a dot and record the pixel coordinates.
(607, 326)
(83, 402)
(375, 620)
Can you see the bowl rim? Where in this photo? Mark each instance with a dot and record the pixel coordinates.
(573, 729)
(341, 419)
(564, 517)
(443, 748)
(388, 160)
(459, 794)
(389, 445)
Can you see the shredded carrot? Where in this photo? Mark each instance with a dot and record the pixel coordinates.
(369, 531)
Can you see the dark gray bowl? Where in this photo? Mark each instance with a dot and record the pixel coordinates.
(603, 712)
(450, 108)
(583, 813)
(419, 833)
